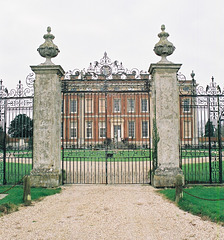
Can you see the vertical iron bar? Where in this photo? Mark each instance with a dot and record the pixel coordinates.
(209, 139)
(85, 133)
(149, 141)
(106, 137)
(62, 137)
(4, 153)
(220, 150)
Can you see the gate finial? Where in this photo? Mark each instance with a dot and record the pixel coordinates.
(163, 48)
(48, 49)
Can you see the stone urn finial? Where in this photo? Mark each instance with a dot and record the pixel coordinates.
(163, 48)
(48, 49)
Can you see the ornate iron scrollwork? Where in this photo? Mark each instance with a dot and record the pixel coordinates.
(211, 97)
(3, 90)
(185, 86)
(20, 90)
(189, 87)
(30, 79)
(104, 68)
(19, 97)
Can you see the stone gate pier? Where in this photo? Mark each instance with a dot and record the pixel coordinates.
(165, 115)
(47, 118)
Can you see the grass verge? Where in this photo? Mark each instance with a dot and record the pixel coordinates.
(15, 197)
(200, 172)
(15, 171)
(213, 210)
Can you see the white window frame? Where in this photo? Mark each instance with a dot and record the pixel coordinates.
(130, 136)
(102, 125)
(73, 125)
(89, 127)
(147, 129)
(144, 99)
(130, 109)
(187, 129)
(73, 107)
(119, 105)
(102, 107)
(89, 106)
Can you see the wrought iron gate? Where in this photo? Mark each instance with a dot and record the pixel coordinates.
(202, 132)
(16, 131)
(105, 127)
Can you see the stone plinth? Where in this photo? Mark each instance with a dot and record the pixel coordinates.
(165, 122)
(45, 178)
(47, 126)
(166, 177)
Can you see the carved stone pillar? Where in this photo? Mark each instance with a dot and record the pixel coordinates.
(165, 115)
(47, 118)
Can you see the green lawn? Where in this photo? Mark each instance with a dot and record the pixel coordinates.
(195, 153)
(95, 155)
(100, 155)
(16, 171)
(200, 173)
(213, 210)
(195, 165)
(185, 153)
(75, 153)
(15, 196)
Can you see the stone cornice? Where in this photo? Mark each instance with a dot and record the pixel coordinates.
(48, 69)
(163, 66)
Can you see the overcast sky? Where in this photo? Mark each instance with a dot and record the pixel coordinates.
(126, 29)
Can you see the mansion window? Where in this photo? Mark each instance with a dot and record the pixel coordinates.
(73, 106)
(73, 130)
(186, 105)
(117, 105)
(131, 105)
(131, 129)
(89, 130)
(102, 105)
(187, 129)
(89, 105)
(145, 129)
(144, 105)
(102, 129)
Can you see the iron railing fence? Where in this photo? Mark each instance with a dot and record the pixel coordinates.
(16, 132)
(202, 133)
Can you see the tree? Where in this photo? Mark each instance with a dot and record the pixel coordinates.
(209, 129)
(219, 128)
(21, 126)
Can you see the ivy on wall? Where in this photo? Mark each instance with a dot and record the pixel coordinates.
(155, 141)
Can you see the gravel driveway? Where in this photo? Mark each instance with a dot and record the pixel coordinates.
(106, 212)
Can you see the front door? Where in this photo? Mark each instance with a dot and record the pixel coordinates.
(117, 133)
